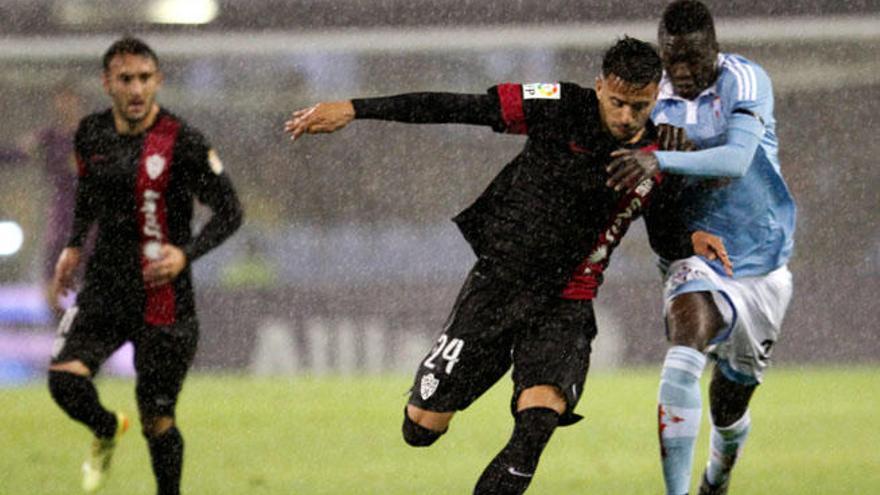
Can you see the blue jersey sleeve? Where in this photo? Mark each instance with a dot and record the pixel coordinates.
(732, 159)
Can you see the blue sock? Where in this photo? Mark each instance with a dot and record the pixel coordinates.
(725, 445)
(679, 414)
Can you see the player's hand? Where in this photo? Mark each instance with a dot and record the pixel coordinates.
(166, 267)
(321, 118)
(62, 279)
(671, 138)
(711, 247)
(629, 168)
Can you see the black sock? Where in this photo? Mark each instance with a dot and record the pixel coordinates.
(511, 471)
(166, 454)
(77, 396)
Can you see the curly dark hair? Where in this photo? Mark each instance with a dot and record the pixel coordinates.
(687, 16)
(634, 61)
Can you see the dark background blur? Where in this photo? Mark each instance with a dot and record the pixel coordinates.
(348, 259)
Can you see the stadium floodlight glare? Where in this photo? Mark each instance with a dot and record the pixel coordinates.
(183, 11)
(11, 238)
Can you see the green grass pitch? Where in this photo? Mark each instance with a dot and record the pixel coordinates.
(816, 430)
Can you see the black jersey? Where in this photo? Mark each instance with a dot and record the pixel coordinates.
(139, 190)
(547, 220)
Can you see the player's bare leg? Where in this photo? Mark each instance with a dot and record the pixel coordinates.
(72, 389)
(692, 321)
(729, 403)
(511, 471)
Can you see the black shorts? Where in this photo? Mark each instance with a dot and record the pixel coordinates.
(162, 354)
(546, 339)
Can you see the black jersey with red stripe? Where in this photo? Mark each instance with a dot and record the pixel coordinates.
(547, 220)
(139, 189)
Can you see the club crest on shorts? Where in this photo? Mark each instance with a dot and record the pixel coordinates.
(155, 166)
(429, 385)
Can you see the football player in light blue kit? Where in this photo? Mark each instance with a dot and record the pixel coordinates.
(725, 104)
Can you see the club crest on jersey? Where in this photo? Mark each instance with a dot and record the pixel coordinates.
(152, 250)
(428, 386)
(155, 165)
(541, 91)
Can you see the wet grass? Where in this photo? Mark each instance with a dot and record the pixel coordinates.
(815, 431)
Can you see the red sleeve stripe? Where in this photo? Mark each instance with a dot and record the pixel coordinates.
(512, 111)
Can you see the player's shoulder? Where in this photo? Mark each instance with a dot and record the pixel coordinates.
(575, 99)
(96, 120)
(182, 125)
(93, 127)
(187, 134)
(574, 105)
(577, 92)
(742, 79)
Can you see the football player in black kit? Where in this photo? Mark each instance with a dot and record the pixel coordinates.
(542, 233)
(140, 169)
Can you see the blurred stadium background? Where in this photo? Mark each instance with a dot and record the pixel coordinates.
(348, 261)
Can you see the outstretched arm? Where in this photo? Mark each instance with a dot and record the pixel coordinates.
(414, 108)
(731, 159)
(321, 118)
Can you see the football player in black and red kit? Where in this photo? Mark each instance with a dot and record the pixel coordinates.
(140, 170)
(542, 233)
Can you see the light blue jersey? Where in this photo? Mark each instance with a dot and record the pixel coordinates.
(749, 205)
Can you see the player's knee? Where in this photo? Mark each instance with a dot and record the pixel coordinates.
(156, 426)
(693, 320)
(417, 435)
(65, 385)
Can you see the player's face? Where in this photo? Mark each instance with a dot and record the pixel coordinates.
(690, 62)
(132, 82)
(623, 107)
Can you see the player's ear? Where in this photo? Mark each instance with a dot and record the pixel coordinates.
(598, 84)
(105, 81)
(713, 45)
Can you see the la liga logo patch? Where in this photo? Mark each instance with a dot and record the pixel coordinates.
(541, 91)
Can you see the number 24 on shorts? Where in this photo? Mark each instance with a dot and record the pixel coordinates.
(446, 349)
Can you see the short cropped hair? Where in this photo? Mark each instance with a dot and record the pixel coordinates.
(687, 16)
(128, 45)
(634, 61)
